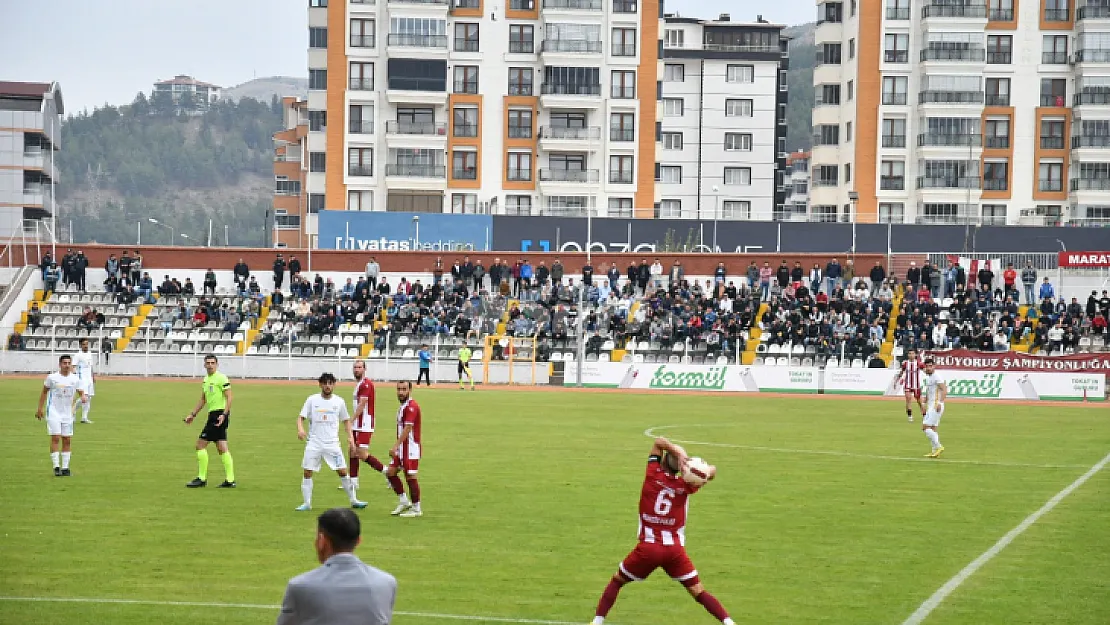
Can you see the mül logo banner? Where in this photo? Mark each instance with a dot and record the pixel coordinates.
(987, 386)
(712, 378)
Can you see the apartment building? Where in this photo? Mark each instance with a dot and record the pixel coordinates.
(796, 178)
(30, 136)
(203, 94)
(541, 107)
(962, 111)
(292, 201)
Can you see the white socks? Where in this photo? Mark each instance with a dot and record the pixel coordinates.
(65, 459)
(598, 620)
(728, 621)
(54, 458)
(403, 499)
(933, 438)
(354, 482)
(306, 490)
(349, 488)
(85, 405)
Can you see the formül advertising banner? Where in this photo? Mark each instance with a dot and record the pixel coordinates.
(680, 377)
(383, 231)
(1021, 385)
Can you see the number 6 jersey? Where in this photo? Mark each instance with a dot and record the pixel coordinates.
(663, 503)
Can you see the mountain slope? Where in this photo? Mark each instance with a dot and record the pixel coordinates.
(264, 89)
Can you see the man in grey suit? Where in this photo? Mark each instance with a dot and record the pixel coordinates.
(344, 591)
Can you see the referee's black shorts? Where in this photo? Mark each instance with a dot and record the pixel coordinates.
(212, 432)
(464, 368)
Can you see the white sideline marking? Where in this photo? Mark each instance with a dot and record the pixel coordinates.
(951, 585)
(651, 433)
(262, 606)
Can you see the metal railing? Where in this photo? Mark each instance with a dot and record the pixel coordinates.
(1091, 97)
(997, 142)
(1052, 143)
(573, 5)
(997, 99)
(1092, 13)
(408, 83)
(623, 49)
(932, 139)
(522, 47)
(443, 2)
(950, 97)
(971, 53)
(361, 84)
(1046, 184)
(995, 184)
(409, 170)
(974, 11)
(625, 6)
(1053, 100)
(898, 13)
(622, 134)
(1090, 141)
(415, 128)
(464, 130)
(947, 182)
(360, 170)
(1099, 55)
(579, 134)
(466, 45)
(895, 98)
(518, 175)
(466, 86)
(1090, 184)
(620, 177)
(571, 45)
(522, 5)
(356, 127)
(363, 41)
(465, 173)
(896, 56)
(569, 175)
(894, 141)
(1000, 15)
(520, 132)
(1056, 15)
(892, 183)
(520, 88)
(1054, 58)
(409, 40)
(1000, 58)
(565, 89)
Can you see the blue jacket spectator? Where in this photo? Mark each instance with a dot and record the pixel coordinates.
(425, 358)
(526, 271)
(1047, 291)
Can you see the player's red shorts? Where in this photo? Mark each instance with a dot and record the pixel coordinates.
(647, 557)
(409, 459)
(916, 392)
(362, 439)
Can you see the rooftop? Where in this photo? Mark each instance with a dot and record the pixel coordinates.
(31, 91)
(182, 79)
(724, 19)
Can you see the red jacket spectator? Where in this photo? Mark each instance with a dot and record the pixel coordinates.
(1009, 277)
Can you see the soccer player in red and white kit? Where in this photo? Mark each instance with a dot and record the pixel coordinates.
(405, 453)
(910, 378)
(663, 505)
(363, 422)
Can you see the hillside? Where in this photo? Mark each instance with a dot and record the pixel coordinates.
(799, 84)
(264, 89)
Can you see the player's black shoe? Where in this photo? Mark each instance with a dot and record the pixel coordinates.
(196, 483)
(227, 484)
(66, 473)
(57, 472)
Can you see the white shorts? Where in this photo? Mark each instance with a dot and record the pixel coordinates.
(932, 415)
(59, 427)
(88, 388)
(331, 454)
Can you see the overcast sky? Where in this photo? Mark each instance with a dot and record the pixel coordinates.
(108, 50)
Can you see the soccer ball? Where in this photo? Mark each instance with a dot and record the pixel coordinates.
(696, 472)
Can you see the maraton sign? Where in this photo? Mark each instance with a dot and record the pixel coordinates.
(1017, 361)
(1084, 259)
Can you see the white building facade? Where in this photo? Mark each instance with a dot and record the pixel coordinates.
(30, 137)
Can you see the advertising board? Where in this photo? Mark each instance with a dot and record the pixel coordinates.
(678, 377)
(383, 231)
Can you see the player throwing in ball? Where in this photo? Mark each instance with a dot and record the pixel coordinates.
(58, 394)
(910, 379)
(936, 391)
(662, 536)
(324, 412)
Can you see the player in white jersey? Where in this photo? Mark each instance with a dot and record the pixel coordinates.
(936, 391)
(324, 412)
(56, 404)
(83, 363)
(910, 379)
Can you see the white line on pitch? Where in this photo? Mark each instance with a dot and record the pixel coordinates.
(651, 432)
(951, 585)
(262, 606)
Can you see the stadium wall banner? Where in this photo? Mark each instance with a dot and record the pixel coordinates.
(1024, 386)
(842, 381)
(372, 231)
(681, 377)
(1084, 260)
(1018, 361)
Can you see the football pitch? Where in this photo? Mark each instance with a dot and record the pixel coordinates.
(824, 510)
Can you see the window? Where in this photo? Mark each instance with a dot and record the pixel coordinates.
(891, 212)
(848, 132)
(624, 6)
(670, 209)
(1050, 176)
(736, 209)
(464, 203)
(360, 200)
(672, 140)
(624, 85)
(670, 174)
(521, 39)
(1057, 10)
(520, 81)
(572, 80)
(318, 79)
(1053, 91)
(994, 214)
(318, 4)
(520, 123)
(1000, 49)
(360, 119)
(847, 172)
(738, 176)
(828, 54)
(997, 133)
(360, 162)
(1054, 49)
(892, 175)
(284, 221)
(894, 133)
(518, 205)
(464, 165)
(466, 37)
(826, 134)
(466, 79)
(995, 176)
(363, 33)
(897, 49)
(894, 90)
(624, 42)
(672, 107)
(998, 92)
(285, 186)
(1000, 10)
(830, 12)
(674, 72)
(740, 73)
(620, 169)
(464, 121)
(317, 121)
(738, 141)
(1052, 134)
(826, 176)
(519, 166)
(620, 207)
(828, 94)
(738, 108)
(418, 32)
(622, 127)
(898, 9)
(315, 202)
(362, 76)
(318, 37)
(673, 38)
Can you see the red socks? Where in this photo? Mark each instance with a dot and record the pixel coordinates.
(414, 489)
(608, 598)
(353, 470)
(711, 605)
(398, 487)
(374, 463)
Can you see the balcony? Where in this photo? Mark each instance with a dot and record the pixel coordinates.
(970, 53)
(548, 88)
(898, 13)
(356, 127)
(622, 134)
(464, 130)
(896, 56)
(950, 97)
(408, 40)
(363, 41)
(365, 2)
(520, 132)
(824, 182)
(995, 184)
(574, 176)
(560, 95)
(965, 11)
(571, 134)
(572, 46)
(1092, 13)
(1000, 15)
(1050, 185)
(995, 143)
(1090, 184)
(1054, 58)
(1091, 97)
(361, 84)
(895, 99)
(944, 140)
(620, 177)
(622, 49)
(998, 99)
(415, 128)
(1052, 143)
(1056, 101)
(522, 47)
(442, 3)
(1056, 15)
(947, 182)
(892, 183)
(894, 141)
(625, 6)
(465, 86)
(1097, 55)
(572, 5)
(1000, 58)
(464, 173)
(466, 45)
(518, 175)
(1090, 141)
(465, 4)
(432, 176)
(360, 170)
(522, 5)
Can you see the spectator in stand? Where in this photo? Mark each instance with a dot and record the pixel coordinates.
(277, 299)
(349, 289)
(495, 276)
(240, 272)
(34, 316)
(1104, 304)
(657, 274)
(765, 274)
(373, 270)
(232, 324)
(1029, 282)
(833, 271)
(878, 276)
(200, 316)
(587, 273)
(557, 271)
(924, 295)
(516, 277)
(913, 277)
(1055, 337)
(848, 273)
(1098, 325)
(125, 263)
(295, 268)
(279, 271)
(633, 275)
(136, 267)
(526, 274)
(1009, 281)
(1046, 292)
(815, 278)
(986, 276)
(45, 263)
(613, 277)
(15, 342)
(675, 277)
(643, 276)
(111, 267)
(1092, 305)
(80, 267)
(167, 287)
(783, 274)
(53, 275)
(253, 289)
(796, 273)
(210, 282)
(752, 275)
(88, 320)
(189, 289)
(479, 274)
(146, 288)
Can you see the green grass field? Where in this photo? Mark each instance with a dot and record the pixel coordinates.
(530, 502)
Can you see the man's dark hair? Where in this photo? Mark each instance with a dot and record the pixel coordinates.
(326, 378)
(930, 361)
(86, 339)
(408, 383)
(64, 357)
(670, 463)
(342, 528)
(211, 357)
